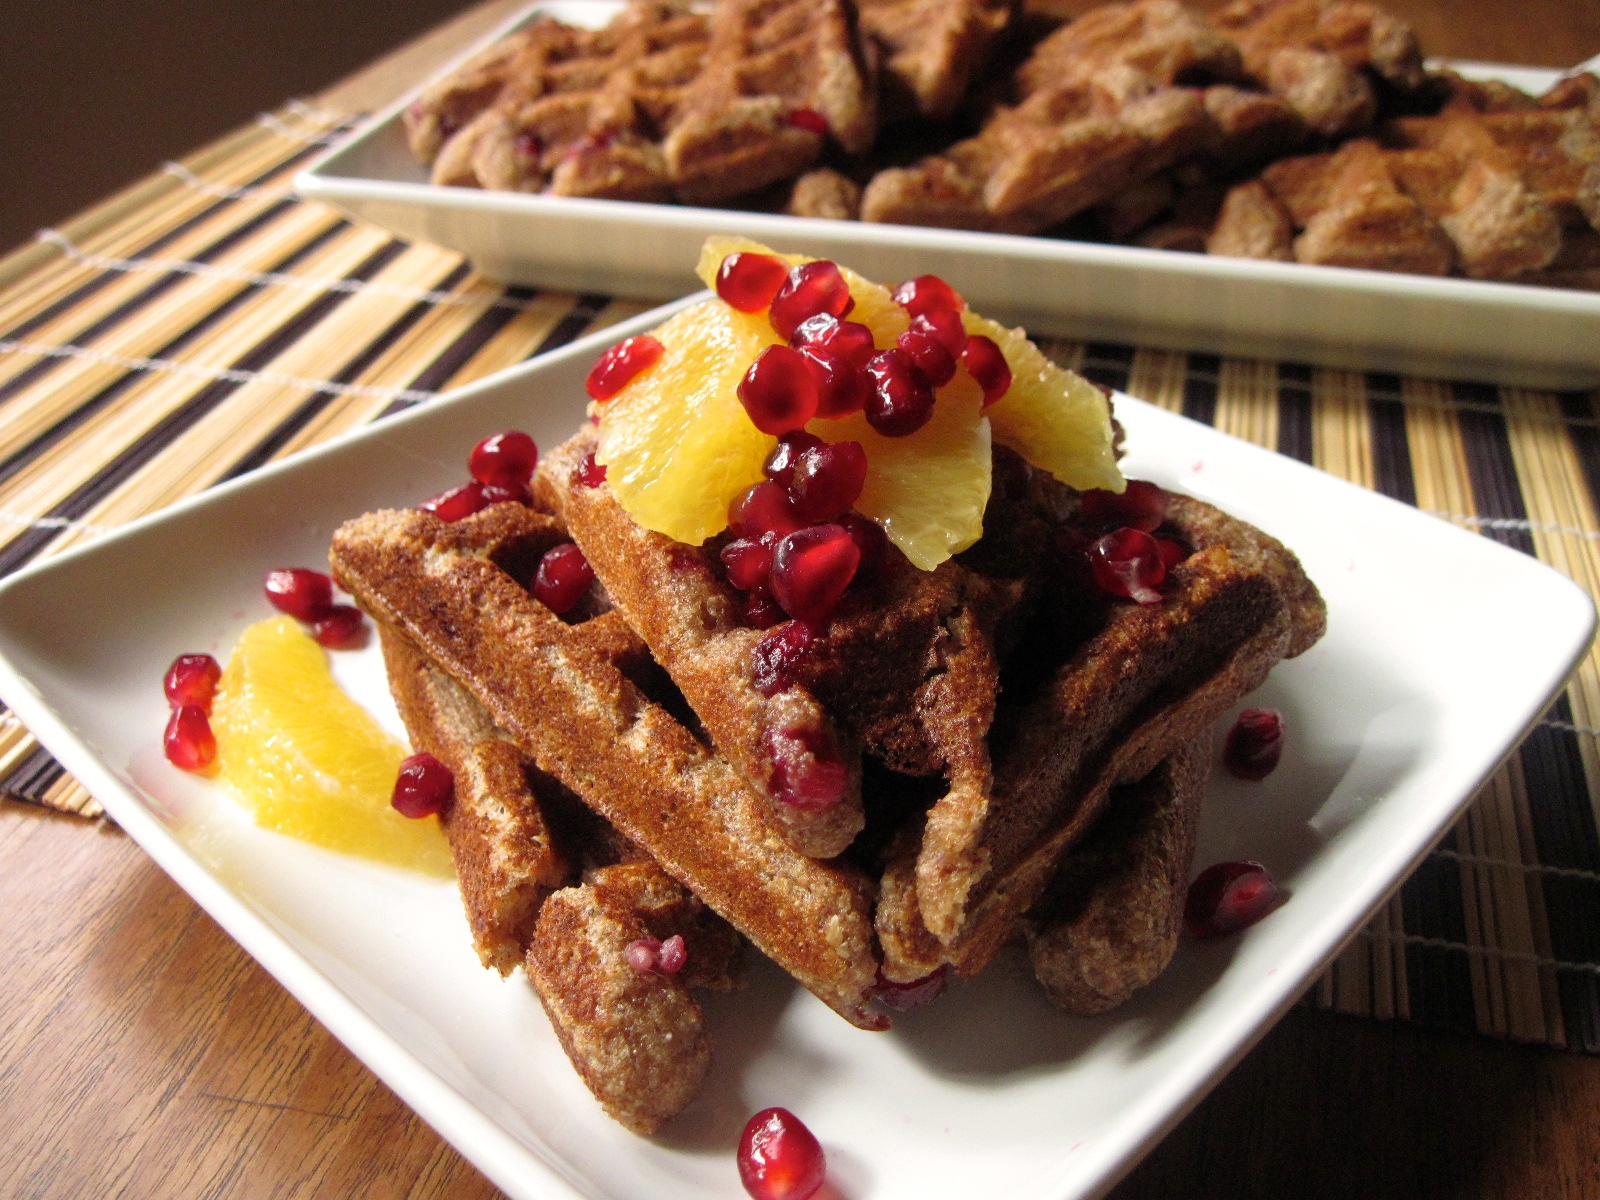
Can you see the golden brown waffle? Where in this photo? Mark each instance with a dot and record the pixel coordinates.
(931, 50)
(663, 102)
(1133, 690)
(1100, 112)
(563, 695)
(1505, 193)
(1108, 921)
(1324, 57)
(691, 620)
(636, 1038)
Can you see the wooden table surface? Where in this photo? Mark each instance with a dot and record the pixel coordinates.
(143, 1054)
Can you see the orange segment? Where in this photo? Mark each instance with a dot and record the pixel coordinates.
(308, 761)
(928, 491)
(676, 443)
(1054, 418)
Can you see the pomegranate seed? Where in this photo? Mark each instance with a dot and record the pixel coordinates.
(779, 466)
(761, 611)
(192, 679)
(903, 997)
(457, 503)
(1254, 744)
(761, 508)
(749, 281)
(926, 293)
(188, 741)
(591, 473)
(642, 954)
(870, 539)
(944, 325)
(1127, 562)
(806, 771)
(673, 955)
(808, 119)
(849, 340)
(778, 391)
(340, 628)
(301, 592)
(1142, 505)
(423, 787)
(988, 365)
(779, 1158)
(527, 145)
(747, 562)
(827, 480)
(505, 460)
(811, 288)
(494, 493)
(563, 578)
(1172, 551)
(842, 387)
(1227, 897)
(777, 659)
(901, 402)
(811, 568)
(615, 369)
(936, 363)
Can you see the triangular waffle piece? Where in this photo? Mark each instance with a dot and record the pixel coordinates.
(692, 621)
(1109, 919)
(1131, 692)
(665, 101)
(559, 693)
(932, 50)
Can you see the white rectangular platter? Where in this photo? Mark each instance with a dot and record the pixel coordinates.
(1448, 328)
(1442, 648)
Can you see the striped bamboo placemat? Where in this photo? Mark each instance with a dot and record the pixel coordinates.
(205, 322)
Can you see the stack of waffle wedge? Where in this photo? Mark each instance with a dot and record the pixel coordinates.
(1143, 122)
(1026, 757)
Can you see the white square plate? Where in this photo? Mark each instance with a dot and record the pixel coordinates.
(1442, 648)
(1449, 328)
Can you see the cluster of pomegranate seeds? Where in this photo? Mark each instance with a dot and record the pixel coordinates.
(501, 467)
(779, 1158)
(649, 956)
(563, 578)
(423, 787)
(1254, 744)
(307, 595)
(190, 684)
(617, 366)
(1228, 896)
(748, 282)
(902, 997)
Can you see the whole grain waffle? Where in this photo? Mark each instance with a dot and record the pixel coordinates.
(637, 1039)
(931, 50)
(663, 102)
(568, 696)
(1134, 685)
(1099, 111)
(1108, 921)
(1507, 191)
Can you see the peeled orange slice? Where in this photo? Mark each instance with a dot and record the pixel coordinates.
(1053, 417)
(308, 761)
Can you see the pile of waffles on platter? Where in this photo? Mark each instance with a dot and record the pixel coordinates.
(1292, 130)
